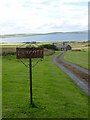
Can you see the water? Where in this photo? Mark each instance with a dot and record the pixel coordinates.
(48, 38)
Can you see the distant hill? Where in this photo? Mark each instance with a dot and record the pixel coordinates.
(33, 34)
(68, 32)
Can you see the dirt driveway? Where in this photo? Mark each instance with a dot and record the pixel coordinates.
(78, 74)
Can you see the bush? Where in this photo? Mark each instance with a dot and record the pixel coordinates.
(5, 54)
(49, 46)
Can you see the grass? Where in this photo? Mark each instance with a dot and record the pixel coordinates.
(78, 57)
(14, 45)
(54, 93)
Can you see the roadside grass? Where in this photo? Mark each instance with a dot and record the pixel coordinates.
(78, 57)
(54, 93)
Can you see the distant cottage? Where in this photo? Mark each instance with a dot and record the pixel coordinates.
(63, 47)
(66, 47)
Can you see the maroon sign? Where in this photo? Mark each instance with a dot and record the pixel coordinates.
(29, 53)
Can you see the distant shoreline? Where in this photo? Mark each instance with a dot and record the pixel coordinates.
(27, 35)
(15, 43)
(50, 37)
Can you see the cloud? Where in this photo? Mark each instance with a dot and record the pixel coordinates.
(34, 16)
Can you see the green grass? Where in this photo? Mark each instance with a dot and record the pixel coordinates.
(78, 57)
(14, 45)
(54, 93)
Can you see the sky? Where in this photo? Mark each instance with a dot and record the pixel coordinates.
(43, 16)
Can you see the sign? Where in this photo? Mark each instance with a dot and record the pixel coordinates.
(29, 53)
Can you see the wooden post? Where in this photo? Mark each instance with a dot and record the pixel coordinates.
(30, 68)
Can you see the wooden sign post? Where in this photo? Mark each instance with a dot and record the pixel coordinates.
(29, 53)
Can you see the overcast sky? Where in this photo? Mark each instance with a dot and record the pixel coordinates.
(42, 16)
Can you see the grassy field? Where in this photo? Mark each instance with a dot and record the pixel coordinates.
(80, 45)
(14, 45)
(54, 93)
(78, 57)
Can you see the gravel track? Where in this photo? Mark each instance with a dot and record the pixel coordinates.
(74, 65)
(79, 75)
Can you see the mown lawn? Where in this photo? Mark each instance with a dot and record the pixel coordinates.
(54, 93)
(78, 57)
